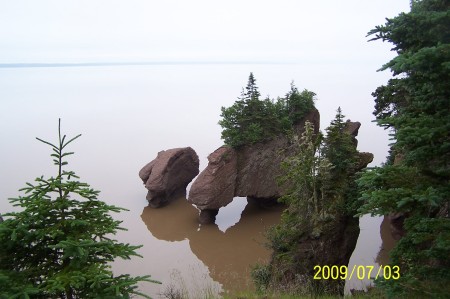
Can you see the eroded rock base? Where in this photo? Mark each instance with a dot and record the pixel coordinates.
(207, 216)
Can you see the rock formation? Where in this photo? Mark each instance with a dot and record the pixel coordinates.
(167, 176)
(251, 171)
(217, 181)
(388, 242)
(396, 224)
(352, 128)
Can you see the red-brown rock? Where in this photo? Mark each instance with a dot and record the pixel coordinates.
(217, 181)
(250, 171)
(365, 159)
(352, 128)
(396, 221)
(167, 176)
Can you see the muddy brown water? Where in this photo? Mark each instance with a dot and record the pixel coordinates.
(218, 258)
(230, 254)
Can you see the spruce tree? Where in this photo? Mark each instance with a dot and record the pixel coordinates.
(339, 188)
(298, 103)
(415, 106)
(60, 245)
(250, 120)
(321, 199)
(251, 91)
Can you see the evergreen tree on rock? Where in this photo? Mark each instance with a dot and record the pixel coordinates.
(250, 120)
(251, 91)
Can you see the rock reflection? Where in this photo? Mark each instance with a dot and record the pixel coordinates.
(388, 243)
(174, 222)
(229, 255)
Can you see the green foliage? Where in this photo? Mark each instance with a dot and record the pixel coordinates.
(60, 245)
(320, 192)
(250, 120)
(415, 105)
(261, 275)
(322, 174)
(14, 285)
(251, 91)
(339, 188)
(425, 271)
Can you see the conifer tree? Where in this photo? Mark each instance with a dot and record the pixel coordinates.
(415, 105)
(61, 244)
(339, 186)
(297, 103)
(250, 120)
(251, 91)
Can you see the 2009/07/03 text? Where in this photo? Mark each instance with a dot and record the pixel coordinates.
(359, 271)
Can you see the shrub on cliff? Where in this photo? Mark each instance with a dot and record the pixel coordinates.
(60, 245)
(250, 120)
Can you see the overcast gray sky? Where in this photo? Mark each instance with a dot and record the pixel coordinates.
(197, 30)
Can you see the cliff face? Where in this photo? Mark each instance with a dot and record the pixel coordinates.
(258, 165)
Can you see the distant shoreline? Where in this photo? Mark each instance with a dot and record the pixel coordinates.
(92, 64)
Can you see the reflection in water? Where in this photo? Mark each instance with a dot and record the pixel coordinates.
(388, 242)
(174, 222)
(228, 255)
(374, 244)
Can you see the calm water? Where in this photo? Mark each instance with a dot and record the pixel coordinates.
(127, 114)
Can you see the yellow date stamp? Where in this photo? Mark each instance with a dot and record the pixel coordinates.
(360, 272)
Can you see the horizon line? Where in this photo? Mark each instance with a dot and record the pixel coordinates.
(131, 63)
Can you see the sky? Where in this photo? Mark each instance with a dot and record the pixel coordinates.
(282, 31)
